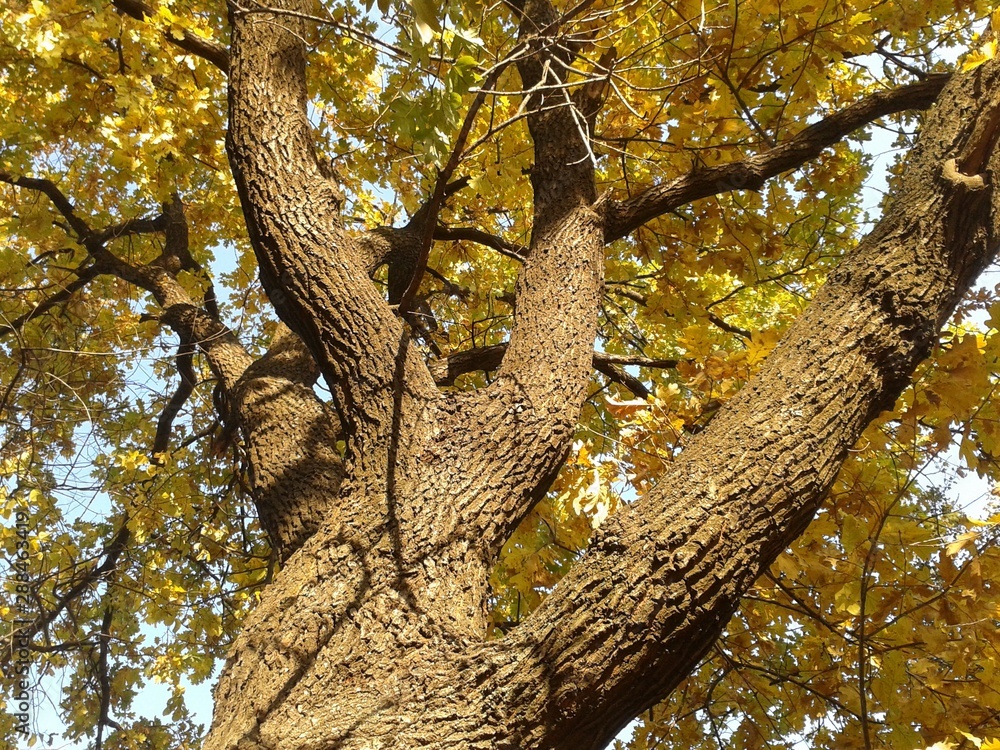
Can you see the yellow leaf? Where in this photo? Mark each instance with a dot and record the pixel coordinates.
(972, 738)
(426, 17)
(853, 533)
(977, 57)
(961, 542)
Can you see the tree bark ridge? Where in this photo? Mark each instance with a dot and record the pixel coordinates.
(313, 271)
(373, 633)
(663, 577)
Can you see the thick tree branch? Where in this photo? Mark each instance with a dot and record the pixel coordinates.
(663, 577)
(267, 398)
(556, 296)
(543, 378)
(290, 436)
(391, 245)
(622, 218)
(291, 440)
(314, 272)
(54, 194)
(485, 358)
(226, 356)
(185, 368)
(206, 49)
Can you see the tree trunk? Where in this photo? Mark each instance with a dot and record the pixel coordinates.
(373, 634)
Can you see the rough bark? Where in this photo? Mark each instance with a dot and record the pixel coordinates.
(289, 435)
(373, 633)
(663, 577)
(291, 441)
(313, 270)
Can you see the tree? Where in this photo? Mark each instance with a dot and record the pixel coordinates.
(446, 209)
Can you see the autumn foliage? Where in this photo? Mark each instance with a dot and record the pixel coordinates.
(877, 628)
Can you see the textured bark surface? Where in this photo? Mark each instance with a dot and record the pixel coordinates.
(373, 633)
(291, 440)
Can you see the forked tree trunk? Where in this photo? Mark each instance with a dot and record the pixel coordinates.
(373, 635)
